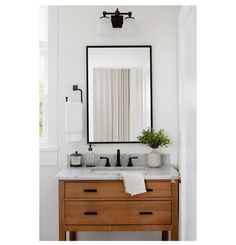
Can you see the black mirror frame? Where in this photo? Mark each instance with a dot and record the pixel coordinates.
(87, 90)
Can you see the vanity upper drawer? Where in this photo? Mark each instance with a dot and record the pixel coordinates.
(114, 189)
(117, 212)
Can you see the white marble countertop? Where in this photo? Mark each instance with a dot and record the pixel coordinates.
(83, 173)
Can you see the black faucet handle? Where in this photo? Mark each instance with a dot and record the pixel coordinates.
(130, 164)
(107, 161)
(118, 164)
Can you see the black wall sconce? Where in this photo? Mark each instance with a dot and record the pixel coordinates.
(117, 17)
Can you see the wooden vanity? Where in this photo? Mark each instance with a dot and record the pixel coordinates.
(103, 205)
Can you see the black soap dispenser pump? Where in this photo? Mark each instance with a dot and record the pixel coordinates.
(90, 157)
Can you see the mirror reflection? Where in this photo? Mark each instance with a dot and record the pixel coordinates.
(119, 93)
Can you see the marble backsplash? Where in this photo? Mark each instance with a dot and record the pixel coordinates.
(124, 158)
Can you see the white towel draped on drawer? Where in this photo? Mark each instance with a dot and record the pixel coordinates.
(134, 183)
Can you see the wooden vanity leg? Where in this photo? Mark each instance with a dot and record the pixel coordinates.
(174, 235)
(62, 235)
(72, 236)
(164, 236)
(175, 210)
(62, 232)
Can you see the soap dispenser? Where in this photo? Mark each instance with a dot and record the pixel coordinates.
(90, 157)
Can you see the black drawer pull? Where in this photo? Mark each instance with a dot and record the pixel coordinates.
(149, 189)
(145, 213)
(90, 190)
(90, 213)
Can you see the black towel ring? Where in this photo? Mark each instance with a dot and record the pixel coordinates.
(75, 88)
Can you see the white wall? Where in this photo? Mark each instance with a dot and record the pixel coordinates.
(77, 28)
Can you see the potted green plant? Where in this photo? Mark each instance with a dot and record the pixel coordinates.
(154, 139)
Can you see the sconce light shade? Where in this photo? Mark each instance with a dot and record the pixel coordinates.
(104, 26)
(130, 26)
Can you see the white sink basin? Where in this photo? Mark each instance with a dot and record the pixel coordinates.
(117, 170)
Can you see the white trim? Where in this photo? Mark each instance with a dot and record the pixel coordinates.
(49, 149)
(48, 154)
(185, 15)
(48, 158)
(186, 151)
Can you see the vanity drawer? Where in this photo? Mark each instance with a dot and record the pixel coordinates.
(117, 212)
(114, 190)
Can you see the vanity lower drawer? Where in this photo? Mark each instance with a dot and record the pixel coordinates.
(117, 212)
(114, 189)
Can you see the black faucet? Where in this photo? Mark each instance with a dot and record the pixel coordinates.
(118, 158)
(130, 164)
(107, 161)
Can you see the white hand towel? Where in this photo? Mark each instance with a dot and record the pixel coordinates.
(134, 183)
(73, 121)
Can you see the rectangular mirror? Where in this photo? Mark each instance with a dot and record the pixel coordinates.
(119, 93)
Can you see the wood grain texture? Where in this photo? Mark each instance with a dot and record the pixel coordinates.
(175, 211)
(114, 190)
(118, 227)
(62, 232)
(117, 212)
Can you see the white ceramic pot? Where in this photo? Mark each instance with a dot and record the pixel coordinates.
(154, 159)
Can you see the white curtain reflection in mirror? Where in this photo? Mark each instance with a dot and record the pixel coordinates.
(119, 103)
